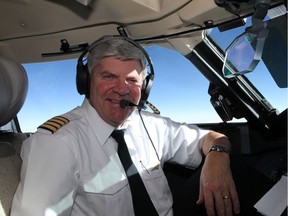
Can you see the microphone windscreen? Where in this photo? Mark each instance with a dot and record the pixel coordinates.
(124, 103)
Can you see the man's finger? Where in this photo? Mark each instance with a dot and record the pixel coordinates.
(227, 205)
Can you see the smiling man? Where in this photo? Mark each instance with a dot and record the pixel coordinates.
(84, 163)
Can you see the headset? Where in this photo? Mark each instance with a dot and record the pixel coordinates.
(83, 76)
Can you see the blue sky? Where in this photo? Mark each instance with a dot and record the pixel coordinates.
(179, 91)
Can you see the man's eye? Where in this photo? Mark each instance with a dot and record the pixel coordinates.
(133, 81)
(108, 77)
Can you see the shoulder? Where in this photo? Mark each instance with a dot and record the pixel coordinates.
(56, 123)
(148, 118)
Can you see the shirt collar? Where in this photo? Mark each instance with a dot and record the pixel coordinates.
(101, 129)
(127, 123)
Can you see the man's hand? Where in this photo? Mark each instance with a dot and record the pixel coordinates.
(217, 188)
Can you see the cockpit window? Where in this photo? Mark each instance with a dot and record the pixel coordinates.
(52, 91)
(179, 91)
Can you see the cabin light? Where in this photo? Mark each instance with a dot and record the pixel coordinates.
(208, 23)
(22, 24)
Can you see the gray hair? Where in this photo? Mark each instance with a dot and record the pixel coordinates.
(118, 48)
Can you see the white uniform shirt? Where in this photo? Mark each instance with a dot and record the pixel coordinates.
(76, 170)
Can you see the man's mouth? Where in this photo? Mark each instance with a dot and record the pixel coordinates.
(115, 101)
(123, 103)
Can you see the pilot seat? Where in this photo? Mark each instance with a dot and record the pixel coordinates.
(13, 91)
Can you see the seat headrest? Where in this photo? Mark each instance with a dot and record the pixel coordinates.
(13, 89)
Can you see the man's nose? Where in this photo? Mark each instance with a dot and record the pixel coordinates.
(122, 87)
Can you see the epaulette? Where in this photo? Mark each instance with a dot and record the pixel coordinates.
(54, 123)
(153, 108)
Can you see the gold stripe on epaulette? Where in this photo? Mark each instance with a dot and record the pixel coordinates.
(153, 108)
(54, 124)
(61, 118)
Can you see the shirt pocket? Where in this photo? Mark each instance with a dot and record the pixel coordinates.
(102, 195)
(157, 186)
(101, 187)
(152, 172)
(108, 180)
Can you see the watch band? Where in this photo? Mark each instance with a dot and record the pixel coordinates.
(220, 148)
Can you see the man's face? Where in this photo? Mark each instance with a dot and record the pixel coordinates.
(111, 81)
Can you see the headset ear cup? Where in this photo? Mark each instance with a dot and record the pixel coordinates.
(82, 79)
(146, 87)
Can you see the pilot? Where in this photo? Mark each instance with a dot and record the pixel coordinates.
(106, 157)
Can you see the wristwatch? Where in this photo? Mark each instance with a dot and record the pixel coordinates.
(220, 148)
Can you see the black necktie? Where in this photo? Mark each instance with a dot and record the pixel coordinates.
(141, 201)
